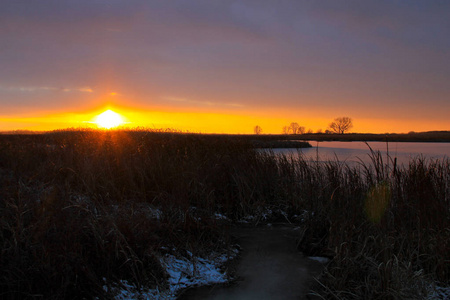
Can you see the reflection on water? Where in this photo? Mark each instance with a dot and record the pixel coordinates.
(356, 152)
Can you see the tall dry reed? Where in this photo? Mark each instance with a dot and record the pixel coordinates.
(82, 209)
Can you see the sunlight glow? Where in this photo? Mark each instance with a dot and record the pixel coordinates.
(195, 122)
(109, 119)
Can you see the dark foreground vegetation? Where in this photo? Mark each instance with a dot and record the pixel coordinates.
(83, 209)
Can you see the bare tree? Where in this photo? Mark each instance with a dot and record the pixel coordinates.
(285, 129)
(301, 130)
(294, 128)
(341, 125)
(257, 129)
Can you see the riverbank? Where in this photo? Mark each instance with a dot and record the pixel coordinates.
(277, 144)
(418, 137)
(432, 136)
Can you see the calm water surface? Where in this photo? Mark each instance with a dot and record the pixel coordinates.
(355, 152)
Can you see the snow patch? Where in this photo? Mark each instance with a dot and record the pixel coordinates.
(219, 216)
(183, 273)
(438, 292)
(322, 260)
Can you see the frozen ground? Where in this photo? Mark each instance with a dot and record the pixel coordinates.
(270, 267)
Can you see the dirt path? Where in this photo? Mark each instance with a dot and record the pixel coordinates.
(270, 267)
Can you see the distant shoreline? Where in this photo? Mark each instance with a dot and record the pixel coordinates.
(434, 137)
(419, 137)
(292, 140)
(270, 144)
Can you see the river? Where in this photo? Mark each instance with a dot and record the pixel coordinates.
(356, 152)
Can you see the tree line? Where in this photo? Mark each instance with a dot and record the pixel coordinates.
(339, 125)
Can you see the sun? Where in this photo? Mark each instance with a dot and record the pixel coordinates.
(109, 119)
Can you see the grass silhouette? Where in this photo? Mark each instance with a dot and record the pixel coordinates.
(81, 209)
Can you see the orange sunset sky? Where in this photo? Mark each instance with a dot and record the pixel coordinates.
(225, 66)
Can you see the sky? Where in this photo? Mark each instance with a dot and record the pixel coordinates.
(226, 66)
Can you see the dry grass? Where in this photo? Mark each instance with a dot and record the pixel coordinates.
(387, 229)
(81, 207)
(78, 207)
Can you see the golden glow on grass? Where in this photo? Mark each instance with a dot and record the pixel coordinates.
(109, 119)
